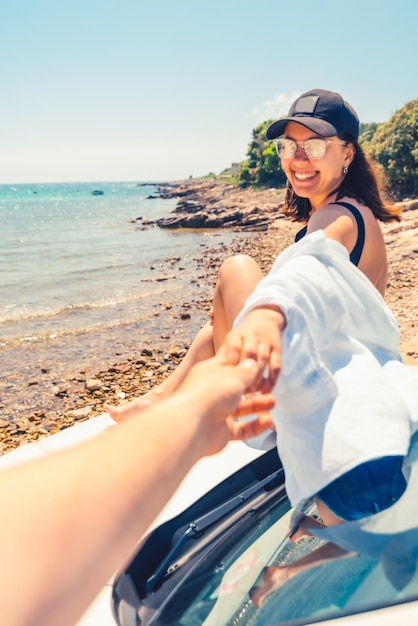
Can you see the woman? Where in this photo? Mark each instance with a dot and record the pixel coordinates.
(331, 186)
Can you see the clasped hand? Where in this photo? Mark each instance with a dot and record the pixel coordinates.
(258, 337)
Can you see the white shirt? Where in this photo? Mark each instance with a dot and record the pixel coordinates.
(343, 396)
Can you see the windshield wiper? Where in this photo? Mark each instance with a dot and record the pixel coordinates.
(197, 527)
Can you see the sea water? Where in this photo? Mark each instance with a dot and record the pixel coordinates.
(75, 265)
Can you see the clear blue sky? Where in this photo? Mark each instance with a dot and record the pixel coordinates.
(99, 90)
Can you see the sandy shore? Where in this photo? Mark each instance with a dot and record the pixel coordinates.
(81, 394)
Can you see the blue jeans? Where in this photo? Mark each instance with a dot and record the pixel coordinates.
(366, 489)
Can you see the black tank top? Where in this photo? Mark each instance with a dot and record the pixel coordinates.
(358, 248)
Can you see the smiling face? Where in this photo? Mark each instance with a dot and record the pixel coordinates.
(316, 179)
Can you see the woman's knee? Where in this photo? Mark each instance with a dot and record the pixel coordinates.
(239, 264)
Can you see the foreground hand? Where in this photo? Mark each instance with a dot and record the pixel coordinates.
(258, 337)
(216, 389)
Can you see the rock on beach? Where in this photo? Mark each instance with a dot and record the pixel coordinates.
(202, 203)
(205, 203)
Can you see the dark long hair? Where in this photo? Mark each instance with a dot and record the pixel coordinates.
(360, 183)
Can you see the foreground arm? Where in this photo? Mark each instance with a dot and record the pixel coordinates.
(71, 519)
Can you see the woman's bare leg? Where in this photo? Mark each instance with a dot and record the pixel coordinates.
(275, 576)
(237, 279)
(328, 517)
(201, 349)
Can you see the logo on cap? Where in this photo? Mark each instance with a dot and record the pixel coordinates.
(306, 104)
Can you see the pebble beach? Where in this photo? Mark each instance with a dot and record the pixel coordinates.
(35, 406)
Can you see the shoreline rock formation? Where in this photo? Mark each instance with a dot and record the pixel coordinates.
(205, 203)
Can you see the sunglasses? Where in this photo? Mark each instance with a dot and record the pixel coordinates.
(314, 148)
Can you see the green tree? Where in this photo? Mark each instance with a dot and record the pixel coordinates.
(395, 146)
(367, 131)
(262, 166)
(244, 175)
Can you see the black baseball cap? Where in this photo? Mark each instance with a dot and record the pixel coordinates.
(323, 112)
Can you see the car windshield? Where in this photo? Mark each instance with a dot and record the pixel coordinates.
(248, 558)
(262, 577)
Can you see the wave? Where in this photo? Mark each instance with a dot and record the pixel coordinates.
(12, 314)
(121, 325)
(91, 329)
